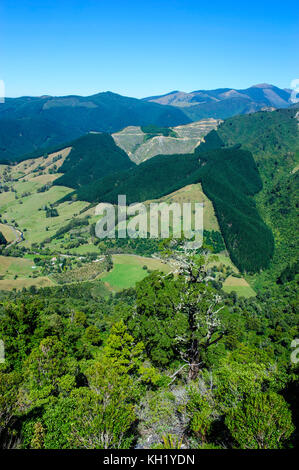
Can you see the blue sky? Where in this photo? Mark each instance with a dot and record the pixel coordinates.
(142, 48)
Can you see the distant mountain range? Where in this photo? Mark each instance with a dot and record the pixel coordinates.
(30, 123)
(225, 102)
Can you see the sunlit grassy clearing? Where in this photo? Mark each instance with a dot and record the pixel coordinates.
(128, 269)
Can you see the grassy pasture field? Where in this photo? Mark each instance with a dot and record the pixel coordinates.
(30, 215)
(15, 273)
(33, 183)
(128, 269)
(25, 207)
(193, 193)
(10, 266)
(18, 284)
(225, 260)
(232, 283)
(8, 233)
(238, 285)
(28, 167)
(2, 169)
(6, 199)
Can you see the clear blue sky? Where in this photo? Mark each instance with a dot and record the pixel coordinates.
(142, 48)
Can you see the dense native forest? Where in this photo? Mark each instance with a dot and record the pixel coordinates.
(176, 361)
(91, 157)
(273, 140)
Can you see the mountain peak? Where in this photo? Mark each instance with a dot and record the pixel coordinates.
(222, 103)
(263, 85)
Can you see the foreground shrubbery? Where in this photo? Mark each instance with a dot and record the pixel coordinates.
(174, 363)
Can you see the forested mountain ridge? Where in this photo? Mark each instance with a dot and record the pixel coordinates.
(29, 123)
(273, 139)
(92, 156)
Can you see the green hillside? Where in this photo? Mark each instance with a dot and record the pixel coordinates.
(92, 156)
(150, 180)
(273, 139)
(229, 178)
(153, 178)
(19, 137)
(266, 134)
(221, 109)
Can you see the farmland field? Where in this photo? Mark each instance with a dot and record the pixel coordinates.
(30, 214)
(10, 267)
(128, 269)
(10, 284)
(16, 273)
(194, 193)
(238, 285)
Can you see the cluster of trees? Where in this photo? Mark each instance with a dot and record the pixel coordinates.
(71, 225)
(3, 240)
(148, 246)
(174, 362)
(289, 273)
(51, 212)
(214, 240)
(152, 131)
(44, 188)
